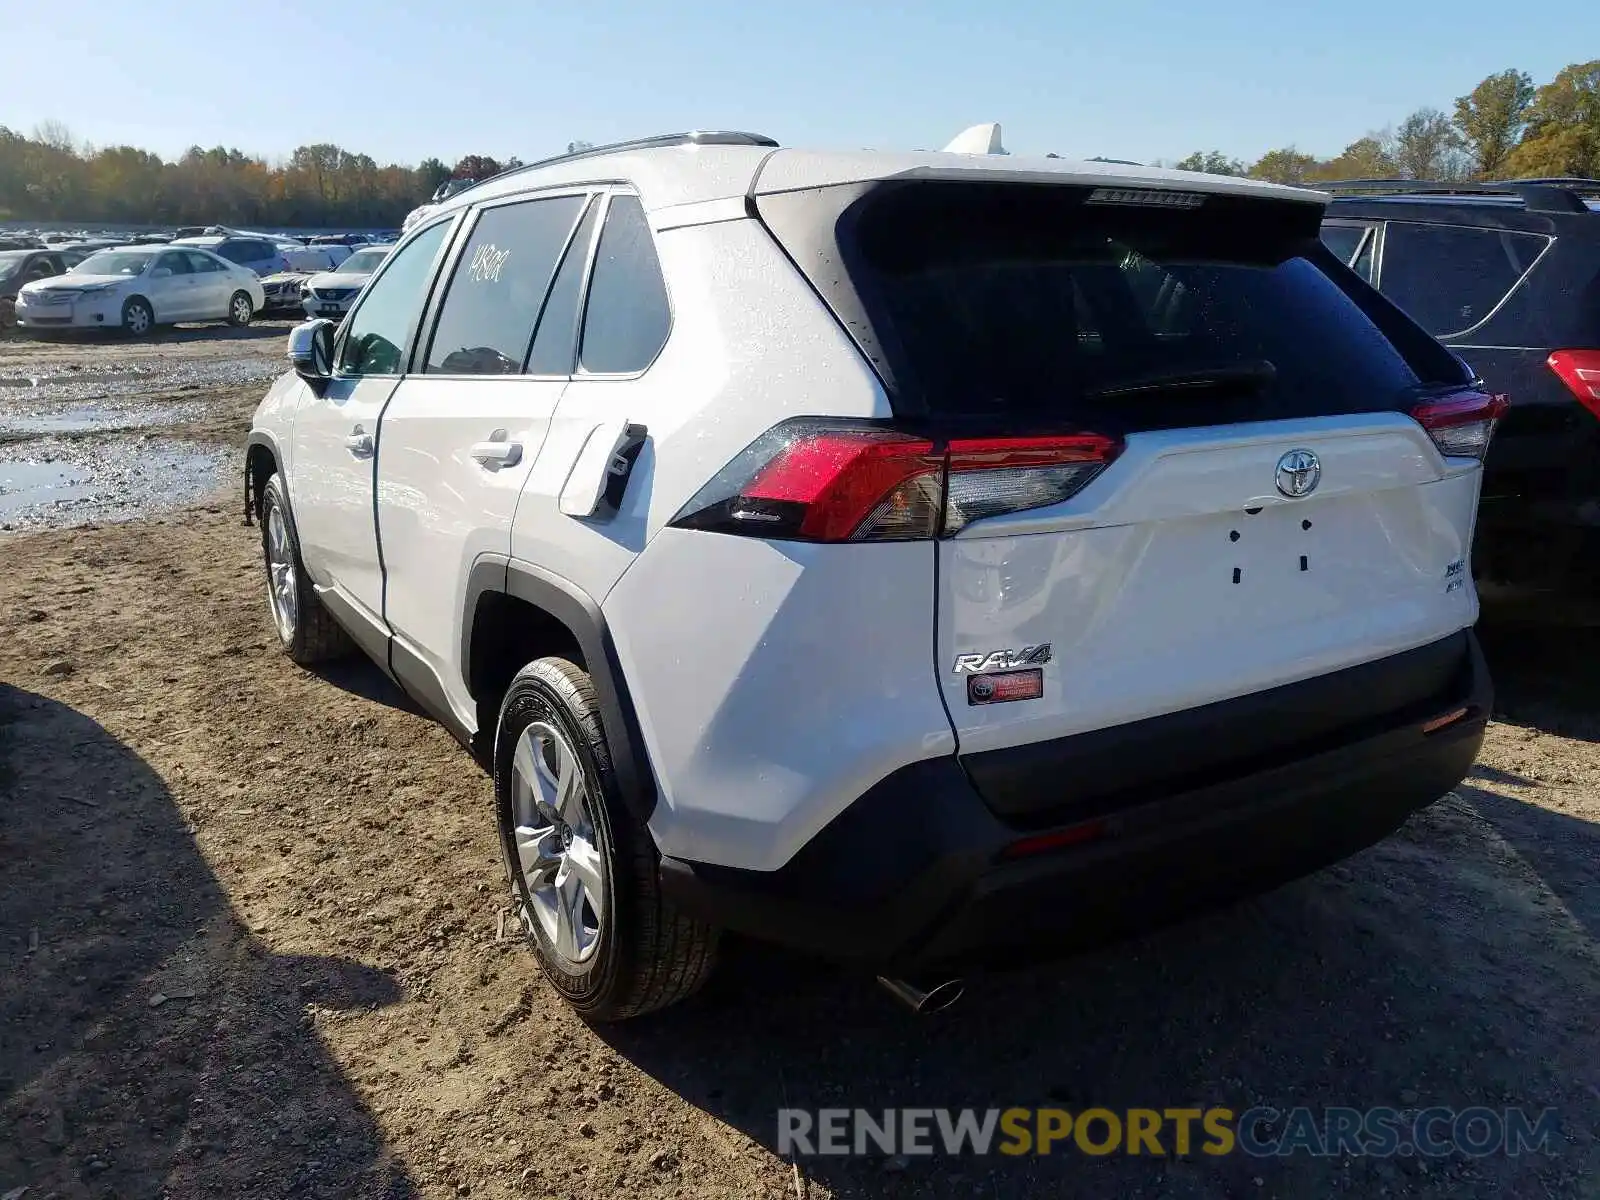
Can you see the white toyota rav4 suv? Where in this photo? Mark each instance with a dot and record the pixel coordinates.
(920, 559)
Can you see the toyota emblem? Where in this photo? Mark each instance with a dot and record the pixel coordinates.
(1299, 472)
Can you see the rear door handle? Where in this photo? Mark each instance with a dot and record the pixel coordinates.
(359, 443)
(496, 454)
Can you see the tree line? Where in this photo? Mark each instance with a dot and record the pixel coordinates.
(1505, 128)
(49, 176)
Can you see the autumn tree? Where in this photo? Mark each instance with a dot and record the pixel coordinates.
(1367, 157)
(1212, 162)
(1286, 165)
(1427, 146)
(1491, 117)
(431, 172)
(476, 166)
(1563, 133)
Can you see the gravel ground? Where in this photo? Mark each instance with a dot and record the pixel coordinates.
(97, 428)
(249, 926)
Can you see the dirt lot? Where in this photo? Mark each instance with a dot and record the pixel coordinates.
(249, 916)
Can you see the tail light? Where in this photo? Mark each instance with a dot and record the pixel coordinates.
(1462, 423)
(1580, 371)
(821, 481)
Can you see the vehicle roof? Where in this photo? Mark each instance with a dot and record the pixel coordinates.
(1498, 212)
(669, 176)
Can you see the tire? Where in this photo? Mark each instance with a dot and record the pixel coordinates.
(306, 630)
(240, 310)
(641, 955)
(138, 318)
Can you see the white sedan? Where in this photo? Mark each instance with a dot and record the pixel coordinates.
(136, 288)
(331, 293)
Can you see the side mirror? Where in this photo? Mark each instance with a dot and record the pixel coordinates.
(311, 350)
(161, 273)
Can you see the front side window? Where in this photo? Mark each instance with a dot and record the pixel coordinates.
(1449, 277)
(499, 287)
(379, 328)
(176, 262)
(201, 263)
(627, 318)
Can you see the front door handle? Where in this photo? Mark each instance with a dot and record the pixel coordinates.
(359, 443)
(494, 455)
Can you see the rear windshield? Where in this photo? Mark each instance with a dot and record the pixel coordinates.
(1043, 303)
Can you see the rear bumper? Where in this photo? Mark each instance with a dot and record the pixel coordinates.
(919, 874)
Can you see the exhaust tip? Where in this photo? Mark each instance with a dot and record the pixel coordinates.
(936, 999)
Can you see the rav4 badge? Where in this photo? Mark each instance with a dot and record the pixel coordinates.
(1002, 660)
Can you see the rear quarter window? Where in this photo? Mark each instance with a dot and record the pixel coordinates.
(1448, 278)
(627, 318)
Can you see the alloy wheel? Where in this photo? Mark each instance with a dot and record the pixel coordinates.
(557, 851)
(282, 589)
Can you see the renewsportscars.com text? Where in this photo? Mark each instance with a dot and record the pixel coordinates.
(1259, 1132)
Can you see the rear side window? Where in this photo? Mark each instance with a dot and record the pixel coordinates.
(558, 327)
(499, 286)
(627, 318)
(1041, 304)
(1447, 277)
(1343, 240)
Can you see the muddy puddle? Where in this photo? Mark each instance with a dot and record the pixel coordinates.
(55, 382)
(52, 482)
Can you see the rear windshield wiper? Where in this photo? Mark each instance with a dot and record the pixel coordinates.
(1250, 376)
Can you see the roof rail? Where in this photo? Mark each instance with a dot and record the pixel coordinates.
(1563, 195)
(695, 137)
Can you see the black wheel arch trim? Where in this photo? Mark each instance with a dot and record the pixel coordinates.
(260, 437)
(581, 615)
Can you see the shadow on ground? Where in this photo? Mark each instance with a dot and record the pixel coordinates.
(360, 676)
(148, 1045)
(1439, 968)
(1546, 672)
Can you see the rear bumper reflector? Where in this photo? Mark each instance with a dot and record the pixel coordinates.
(1057, 839)
(1445, 721)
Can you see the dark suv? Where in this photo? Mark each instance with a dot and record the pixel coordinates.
(1508, 276)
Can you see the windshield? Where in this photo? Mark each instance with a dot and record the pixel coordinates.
(11, 263)
(362, 262)
(114, 262)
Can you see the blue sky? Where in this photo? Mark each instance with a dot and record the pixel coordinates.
(405, 79)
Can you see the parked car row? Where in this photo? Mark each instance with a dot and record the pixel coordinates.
(136, 288)
(198, 274)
